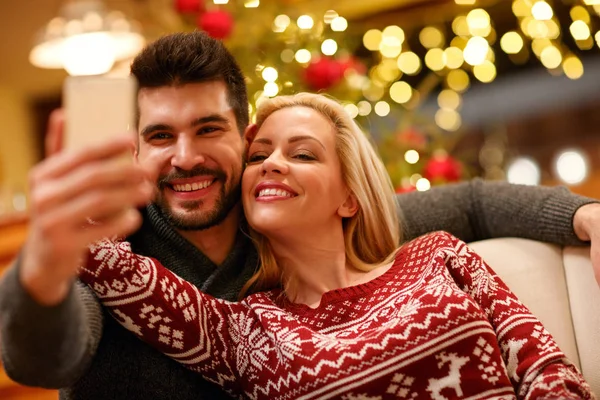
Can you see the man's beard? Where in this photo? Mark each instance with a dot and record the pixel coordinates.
(195, 220)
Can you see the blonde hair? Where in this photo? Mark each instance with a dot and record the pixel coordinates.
(373, 234)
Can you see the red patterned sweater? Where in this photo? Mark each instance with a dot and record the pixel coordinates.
(439, 324)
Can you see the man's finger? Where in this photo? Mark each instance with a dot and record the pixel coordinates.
(64, 162)
(54, 134)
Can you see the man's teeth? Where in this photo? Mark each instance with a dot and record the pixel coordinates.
(190, 187)
(274, 192)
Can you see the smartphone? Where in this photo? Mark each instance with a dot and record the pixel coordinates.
(98, 109)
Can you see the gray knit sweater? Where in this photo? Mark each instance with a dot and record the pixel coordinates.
(76, 346)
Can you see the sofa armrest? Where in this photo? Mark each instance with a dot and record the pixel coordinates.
(584, 295)
(534, 272)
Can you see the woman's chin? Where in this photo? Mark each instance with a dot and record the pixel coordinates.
(270, 224)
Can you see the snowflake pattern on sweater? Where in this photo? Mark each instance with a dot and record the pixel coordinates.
(439, 324)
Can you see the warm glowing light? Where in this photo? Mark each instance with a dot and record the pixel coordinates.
(511, 42)
(538, 45)
(423, 185)
(460, 26)
(478, 20)
(485, 72)
(339, 24)
(251, 3)
(388, 70)
(573, 67)
(458, 80)
(464, 2)
(580, 30)
(281, 22)
(270, 74)
(579, 13)
(329, 47)
(448, 119)
(521, 8)
(303, 56)
(271, 89)
(305, 22)
(411, 156)
(476, 50)
(434, 59)
(382, 108)
(364, 108)
(400, 92)
(449, 99)
(453, 57)
(409, 63)
(373, 91)
(329, 16)
(395, 32)
(542, 11)
(572, 167)
(352, 110)
(523, 171)
(431, 37)
(88, 54)
(372, 39)
(551, 57)
(287, 55)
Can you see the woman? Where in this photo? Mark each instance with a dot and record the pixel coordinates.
(356, 317)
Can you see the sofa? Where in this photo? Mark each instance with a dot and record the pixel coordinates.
(558, 286)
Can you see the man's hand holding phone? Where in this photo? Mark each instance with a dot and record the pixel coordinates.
(67, 191)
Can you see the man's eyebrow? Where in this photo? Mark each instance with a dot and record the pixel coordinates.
(210, 118)
(153, 128)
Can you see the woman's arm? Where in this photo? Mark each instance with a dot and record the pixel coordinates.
(165, 311)
(478, 210)
(535, 364)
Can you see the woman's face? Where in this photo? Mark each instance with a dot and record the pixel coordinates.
(293, 181)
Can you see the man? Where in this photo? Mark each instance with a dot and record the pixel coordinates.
(193, 109)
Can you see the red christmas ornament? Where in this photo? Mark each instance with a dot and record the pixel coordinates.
(323, 73)
(218, 23)
(405, 189)
(442, 167)
(189, 6)
(353, 64)
(411, 138)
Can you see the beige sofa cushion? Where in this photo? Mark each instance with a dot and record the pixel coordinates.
(559, 289)
(584, 295)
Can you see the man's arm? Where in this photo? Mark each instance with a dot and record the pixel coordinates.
(478, 210)
(50, 326)
(47, 346)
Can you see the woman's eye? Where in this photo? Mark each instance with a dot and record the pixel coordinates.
(256, 158)
(305, 157)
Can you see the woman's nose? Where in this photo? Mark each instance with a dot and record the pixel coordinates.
(275, 163)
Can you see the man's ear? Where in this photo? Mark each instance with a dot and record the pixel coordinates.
(250, 134)
(350, 207)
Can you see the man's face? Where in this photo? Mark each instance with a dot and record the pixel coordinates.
(189, 133)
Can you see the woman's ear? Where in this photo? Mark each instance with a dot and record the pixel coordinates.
(350, 207)
(250, 134)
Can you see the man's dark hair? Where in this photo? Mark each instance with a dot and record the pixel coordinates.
(192, 57)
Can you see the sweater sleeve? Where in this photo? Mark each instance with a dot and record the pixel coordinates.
(478, 210)
(167, 312)
(535, 365)
(49, 347)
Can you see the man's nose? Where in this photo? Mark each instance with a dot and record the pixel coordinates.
(186, 155)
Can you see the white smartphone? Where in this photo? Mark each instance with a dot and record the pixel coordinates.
(97, 109)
